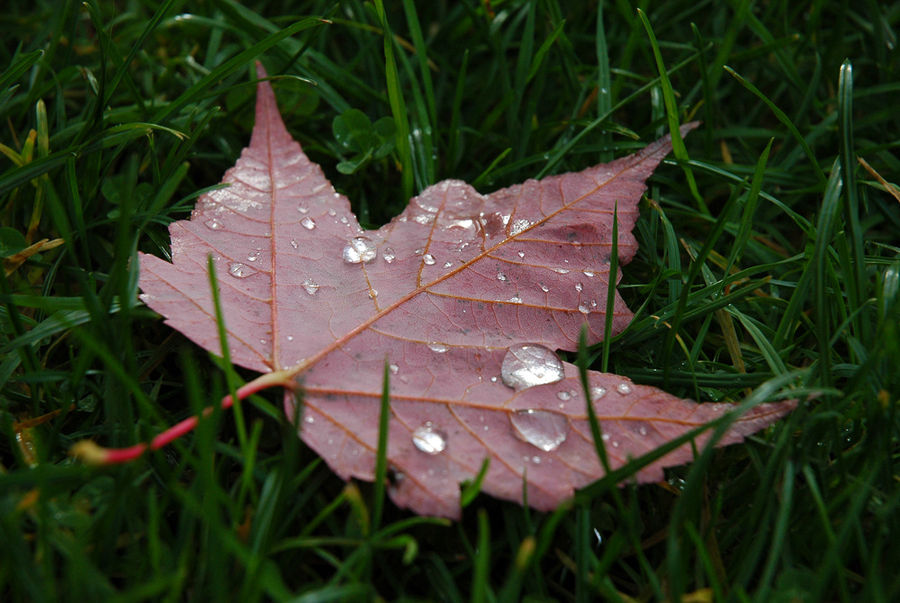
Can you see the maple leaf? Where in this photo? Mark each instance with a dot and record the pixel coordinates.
(465, 296)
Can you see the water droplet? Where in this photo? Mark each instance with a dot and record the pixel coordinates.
(615, 444)
(436, 346)
(642, 430)
(331, 212)
(419, 251)
(529, 364)
(428, 259)
(290, 338)
(588, 273)
(515, 299)
(579, 287)
(310, 286)
(543, 429)
(518, 226)
(308, 223)
(536, 460)
(373, 293)
(521, 254)
(294, 244)
(561, 271)
(447, 264)
(623, 388)
(253, 255)
(302, 210)
(394, 369)
(359, 250)
(213, 224)
(494, 379)
(428, 439)
(501, 276)
(564, 395)
(544, 287)
(318, 187)
(388, 254)
(584, 308)
(597, 392)
(309, 419)
(238, 270)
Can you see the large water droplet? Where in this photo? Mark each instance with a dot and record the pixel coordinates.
(308, 223)
(311, 286)
(428, 259)
(530, 364)
(238, 270)
(584, 308)
(388, 254)
(429, 439)
(359, 250)
(543, 429)
(623, 388)
(436, 346)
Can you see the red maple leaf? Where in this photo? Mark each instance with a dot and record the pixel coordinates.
(465, 296)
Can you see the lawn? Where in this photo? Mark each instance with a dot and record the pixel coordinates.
(769, 268)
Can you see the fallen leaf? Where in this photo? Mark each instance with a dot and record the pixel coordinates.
(465, 296)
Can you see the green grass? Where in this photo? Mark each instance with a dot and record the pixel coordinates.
(769, 266)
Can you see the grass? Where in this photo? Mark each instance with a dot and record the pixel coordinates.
(769, 267)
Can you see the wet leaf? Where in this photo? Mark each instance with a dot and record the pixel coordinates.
(467, 296)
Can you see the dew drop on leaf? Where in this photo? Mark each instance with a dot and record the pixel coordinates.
(564, 395)
(213, 224)
(623, 388)
(388, 254)
(308, 223)
(515, 299)
(253, 255)
(529, 364)
(579, 287)
(238, 270)
(501, 276)
(429, 439)
(359, 250)
(540, 428)
(584, 308)
(519, 226)
(310, 286)
(598, 392)
(428, 259)
(436, 346)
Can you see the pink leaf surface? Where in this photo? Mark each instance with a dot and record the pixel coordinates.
(464, 295)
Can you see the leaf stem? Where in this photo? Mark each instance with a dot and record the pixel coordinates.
(91, 453)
